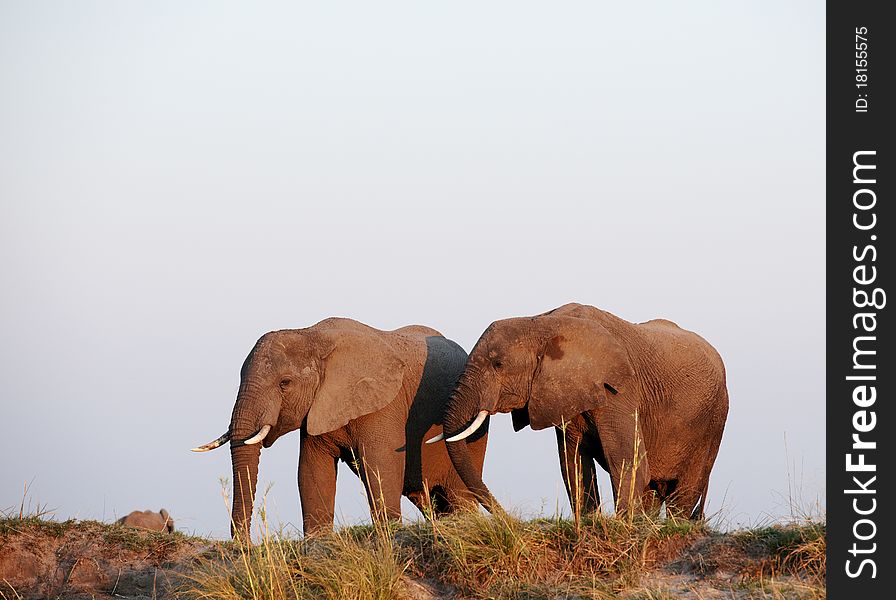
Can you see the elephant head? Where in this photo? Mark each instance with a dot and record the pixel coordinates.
(167, 520)
(302, 378)
(544, 370)
(147, 519)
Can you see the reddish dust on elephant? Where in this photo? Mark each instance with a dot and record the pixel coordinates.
(645, 401)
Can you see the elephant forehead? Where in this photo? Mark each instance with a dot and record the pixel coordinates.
(264, 353)
(498, 347)
(273, 354)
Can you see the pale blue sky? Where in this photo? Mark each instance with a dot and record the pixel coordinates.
(177, 178)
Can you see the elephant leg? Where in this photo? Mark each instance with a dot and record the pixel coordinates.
(683, 502)
(657, 491)
(443, 503)
(418, 499)
(689, 496)
(692, 503)
(577, 469)
(439, 504)
(317, 486)
(382, 472)
(629, 473)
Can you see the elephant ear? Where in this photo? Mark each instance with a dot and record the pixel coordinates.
(579, 362)
(361, 374)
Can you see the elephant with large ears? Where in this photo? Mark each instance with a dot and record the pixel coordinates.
(646, 401)
(360, 395)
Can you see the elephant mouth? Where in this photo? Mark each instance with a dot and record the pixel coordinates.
(510, 400)
(259, 436)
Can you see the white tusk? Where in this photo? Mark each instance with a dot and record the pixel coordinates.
(258, 436)
(437, 438)
(471, 429)
(212, 445)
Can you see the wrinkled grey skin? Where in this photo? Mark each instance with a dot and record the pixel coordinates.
(147, 519)
(360, 395)
(588, 373)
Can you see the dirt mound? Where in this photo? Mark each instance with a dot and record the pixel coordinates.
(87, 559)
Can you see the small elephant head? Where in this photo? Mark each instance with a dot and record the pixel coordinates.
(318, 379)
(147, 519)
(544, 370)
(167, 520)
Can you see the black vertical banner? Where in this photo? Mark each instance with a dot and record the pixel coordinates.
(861, 371)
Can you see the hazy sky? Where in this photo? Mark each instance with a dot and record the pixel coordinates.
(178, 178)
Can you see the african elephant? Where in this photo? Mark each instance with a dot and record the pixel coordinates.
(588, 374)
(156, 521)
(360, 395)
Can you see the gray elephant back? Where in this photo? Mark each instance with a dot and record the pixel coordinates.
(445, 362)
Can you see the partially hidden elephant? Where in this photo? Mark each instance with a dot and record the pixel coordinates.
(650, 395)
(147, 519)
(360, 395)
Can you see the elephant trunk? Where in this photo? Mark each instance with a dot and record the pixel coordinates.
(245, 477)
(248, 424)
(461, 411)
(469, 474)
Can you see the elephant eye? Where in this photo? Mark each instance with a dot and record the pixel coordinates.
(498, 364)
(285, 383)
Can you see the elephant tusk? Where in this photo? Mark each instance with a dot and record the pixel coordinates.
(212, 445)
(258, 436)
(471, 429)
(437, 438)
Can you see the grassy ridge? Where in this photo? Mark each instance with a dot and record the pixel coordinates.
(474, 555)
(469, 555)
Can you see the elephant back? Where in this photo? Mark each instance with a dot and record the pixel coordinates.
(445, 361)
(681, 350)
(417, 331)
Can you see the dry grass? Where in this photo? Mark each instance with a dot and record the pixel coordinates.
(477, 555)
(503, 556)
(809, 555)
(352, 563)
(793, 549)
(474, 555)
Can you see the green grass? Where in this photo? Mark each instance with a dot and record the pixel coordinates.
(155, 544)
(12, 525)
(39, 517)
